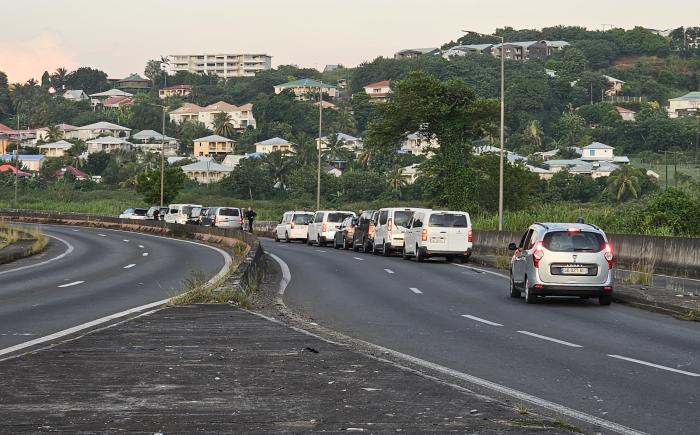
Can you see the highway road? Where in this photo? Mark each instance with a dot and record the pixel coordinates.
(632, 367)
(88, 274)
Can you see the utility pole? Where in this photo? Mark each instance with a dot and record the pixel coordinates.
(162, 159)
(320, 130)
(16, 174)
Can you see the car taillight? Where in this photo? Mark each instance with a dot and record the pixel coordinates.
(609, 255)
(389, 225)
(241, 220)
(469, 236)
(424, 235)
(537, 255)
(324, 227)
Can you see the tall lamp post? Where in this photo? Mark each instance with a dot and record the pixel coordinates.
(502, 127)
(320, 130)
(162, 151)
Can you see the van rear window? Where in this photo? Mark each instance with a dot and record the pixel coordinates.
(228, 212)
(173, 211)
(448, 220)
(401, 218)
(140, 212)
(337, 217)
(302, 219)
(575, 241)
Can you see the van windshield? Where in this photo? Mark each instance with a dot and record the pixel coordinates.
(302, 219)
(573, 241)
(448, 220)
(337, 217)
(228, 212)
(401, 218)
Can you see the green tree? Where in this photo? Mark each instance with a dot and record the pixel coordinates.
(361, 185)
(674, 210)
(190, 130)
(148, 185)
(598, 52)
(623, 184)
(250, 180)
(54, 133)
(222, 124)
(280, 166)
(396, 180)
(88, 79)
(5, 101)
(153, 72)
(569, 64)
(59, 79)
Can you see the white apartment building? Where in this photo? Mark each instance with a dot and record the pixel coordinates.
(222, 65)
(241, 116)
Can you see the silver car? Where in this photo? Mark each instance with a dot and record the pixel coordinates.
(560, 259)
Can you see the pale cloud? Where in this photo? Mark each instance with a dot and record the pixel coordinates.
(30, 57)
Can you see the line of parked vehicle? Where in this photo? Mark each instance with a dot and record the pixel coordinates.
(194, 214)
(551, 259)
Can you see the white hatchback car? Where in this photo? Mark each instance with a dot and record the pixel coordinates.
(294, 225)
(389, 231)
(438, 234)
(325, 224)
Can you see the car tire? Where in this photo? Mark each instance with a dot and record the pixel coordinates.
(529, 297)
(308, 241)
(514, 292)
(286, 238)
(449, 259)
(355, 248)
(605, 300)
(375, 251)
(404, 254)
(335, 244)
(277, 238)
(420, 257)
(386, 250)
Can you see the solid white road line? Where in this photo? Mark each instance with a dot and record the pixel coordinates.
(510, 392)
(670, 369)
(70, 284)
(76, 230)
(223, 271)
(479, 319)
(58, 257)
(129, 266)
(359, 259)
(416, 291)
(145, 254)
(389, 271)
(554, 340)
(482, 270)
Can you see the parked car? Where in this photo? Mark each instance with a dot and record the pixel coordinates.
(389, 230)
(224, 217)
(325, 223)
(344, 235)
(163, 211)
(438, 234)
(134, 213)
(562, 259)
(294, 225)
(363, 237)
(196, 215)
(179, 213)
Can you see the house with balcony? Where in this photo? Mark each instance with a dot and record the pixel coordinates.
(307, 89)
(175, 91)
(410, 53)
(213, 146)
(107, 144)
(526, 50)
(687, 105)
(275, 144)
(241, 116)
(154, 142)
(379, 91)
(55, 149)
(419, 145)
(223, 65)
(103, 128)
(67, 132)
(206, 171)
(134, 83)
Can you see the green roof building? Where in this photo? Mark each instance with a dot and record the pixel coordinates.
(304, 88)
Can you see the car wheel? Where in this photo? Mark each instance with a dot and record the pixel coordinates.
(404, 254)
(308, 241)
(529, 297)
(449, 259)
(386, 251)
(355, 248)
(286, 238)
(514, 292)
(277, 238)
(605, 300)
(375, 251)
(420, 257)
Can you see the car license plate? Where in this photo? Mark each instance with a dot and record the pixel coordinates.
(437, 240)
(574, 270)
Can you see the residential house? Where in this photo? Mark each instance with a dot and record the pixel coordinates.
(107, 144)
(333, 170)
(175, 91)
(526, 50)
(616, 86)
(222, 65)
(241, 116)
(233, 160)
(117, 102)
(379, 91)
(55, 149)
(417, 144)
(598, 151)
(134, 83)
(32, 162)
(463, 50)
(544, 174)
(16, 172)
(331, 67)
(511, 157)
(410, 173)
(626, 114)
(10, 133)
(152, 141)
(415, 52)
(307, 89)
(67, 132)
(326, 105)
(91, 131)
(206, 171)
(77, 173)
(110, 93)
(687, 105)
(275, 144)
(213, 146)
(75, 95)
(350, 142)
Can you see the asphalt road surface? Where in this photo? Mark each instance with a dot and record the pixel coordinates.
(622, 364)
(92, 273)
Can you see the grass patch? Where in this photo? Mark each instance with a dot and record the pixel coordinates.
(530, 423)
(641, 273)
(10, 234)
(502, 263)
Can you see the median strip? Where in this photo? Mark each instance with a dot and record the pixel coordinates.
(645, 363)
(479, 319)
(70, 284)
(553, 340)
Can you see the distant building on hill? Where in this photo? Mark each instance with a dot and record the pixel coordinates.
(222, 65)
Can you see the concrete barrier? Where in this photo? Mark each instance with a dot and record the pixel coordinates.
(675, 256)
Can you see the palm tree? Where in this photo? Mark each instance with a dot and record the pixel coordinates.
(279, 166)
(59, 78)
(396, 180)
(623, 183)
(533, 132)
(223, 125)
(54, 133)
(365, 156)
(335, 149)
(306, 153)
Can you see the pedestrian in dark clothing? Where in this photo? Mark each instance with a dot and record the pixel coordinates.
(156, 215)
(250, 215)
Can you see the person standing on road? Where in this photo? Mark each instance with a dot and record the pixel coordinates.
(156, 215)
(250, 215)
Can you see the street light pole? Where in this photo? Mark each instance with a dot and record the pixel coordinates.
(162, 159)
(16, 173)
(318, 169)
(500, 169)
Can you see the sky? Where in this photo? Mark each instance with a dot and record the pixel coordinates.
(120, 37)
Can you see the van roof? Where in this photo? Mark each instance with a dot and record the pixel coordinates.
(563, 226)
(405, 209)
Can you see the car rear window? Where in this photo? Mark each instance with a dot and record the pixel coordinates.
(173, 210)
(302, 219)
(140, 212)
(401, 218)
(573, 241)
(228, 212)
(448, 220)
(337, 217)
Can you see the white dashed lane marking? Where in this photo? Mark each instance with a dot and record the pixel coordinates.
(70, 284)
(359, 259)
(670, 369)
(479, 319)
(416, 291)
(389, 271)
(129, 266)
(141, 246)
(102, 235)
(553, 340)
(145, 254)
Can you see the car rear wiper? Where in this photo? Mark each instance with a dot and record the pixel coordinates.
(584, 250)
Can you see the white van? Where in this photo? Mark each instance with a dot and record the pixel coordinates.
(224, 217)
(326, 222)
(438, 234)
(389, 231)
(294, 225)
(179, 213)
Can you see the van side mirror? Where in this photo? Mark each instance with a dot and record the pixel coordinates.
(512, 247)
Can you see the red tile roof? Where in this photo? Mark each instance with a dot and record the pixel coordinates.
(382, 84)
(6, 129)
(5, 168)
(118, 101)
(623, 110)
(188, 108)
(222, 106)
(77, 173)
